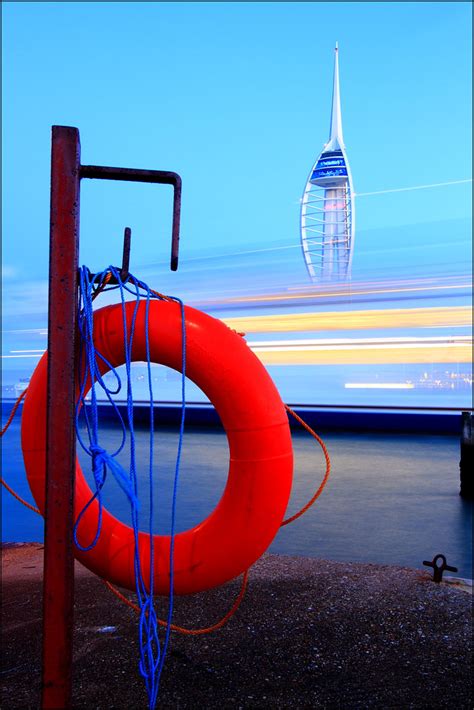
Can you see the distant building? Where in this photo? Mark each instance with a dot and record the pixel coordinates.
(327, 205)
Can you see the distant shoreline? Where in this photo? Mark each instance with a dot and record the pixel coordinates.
(323, 417)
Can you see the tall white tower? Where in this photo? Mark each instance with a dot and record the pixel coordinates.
(327, 205)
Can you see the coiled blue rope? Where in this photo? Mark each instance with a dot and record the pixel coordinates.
(152, 652)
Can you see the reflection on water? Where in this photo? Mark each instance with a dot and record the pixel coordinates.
(391, 498)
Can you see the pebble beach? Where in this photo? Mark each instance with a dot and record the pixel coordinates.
(309, 633)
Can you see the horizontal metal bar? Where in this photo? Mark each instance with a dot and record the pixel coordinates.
(101, 172)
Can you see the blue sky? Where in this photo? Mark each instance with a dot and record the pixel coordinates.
(236, 98)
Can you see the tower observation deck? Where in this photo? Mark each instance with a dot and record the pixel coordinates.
(327, 205)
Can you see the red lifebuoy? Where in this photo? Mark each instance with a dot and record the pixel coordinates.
(255, 498)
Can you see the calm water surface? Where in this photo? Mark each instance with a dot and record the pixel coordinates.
(391, 498)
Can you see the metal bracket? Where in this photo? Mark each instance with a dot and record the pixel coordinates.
(439, 569)
(162, 177)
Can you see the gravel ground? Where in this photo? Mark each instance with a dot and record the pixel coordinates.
(309, 634)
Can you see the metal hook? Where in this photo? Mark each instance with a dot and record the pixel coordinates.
(163, 177)
(124, 271)
(127, 237)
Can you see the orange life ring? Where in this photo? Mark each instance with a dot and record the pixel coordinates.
(255, 498)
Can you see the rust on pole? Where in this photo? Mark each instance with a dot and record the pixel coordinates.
(58, 599)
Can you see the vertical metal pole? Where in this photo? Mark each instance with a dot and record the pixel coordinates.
(466, 464)
(58, 596)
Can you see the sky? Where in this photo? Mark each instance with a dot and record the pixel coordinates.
(236, 98)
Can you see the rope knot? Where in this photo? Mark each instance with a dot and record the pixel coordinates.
(99, 463)
(97, 451)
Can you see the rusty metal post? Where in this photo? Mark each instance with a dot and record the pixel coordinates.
(58, 588)
(466, 464)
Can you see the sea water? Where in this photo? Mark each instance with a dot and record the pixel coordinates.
(391, 498)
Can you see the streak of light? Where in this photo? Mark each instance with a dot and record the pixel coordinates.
(334, 348)
(380, 355)
(353, 293)
(36, 350)
(355, 286)
(379, 386)
(240, 253)
(36, 331)
(352, 320)
(355, 343)
(414, 187)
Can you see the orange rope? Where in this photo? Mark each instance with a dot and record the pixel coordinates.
(2, 481)
(238, 600)
(161, 295)
(173, 627)
(231, 612)
(326, 475)
(181, 629)
(13, 412)
(101, 287)
(19, 498)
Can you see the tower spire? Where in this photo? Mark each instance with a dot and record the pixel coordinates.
(336, 139)
(327, 205)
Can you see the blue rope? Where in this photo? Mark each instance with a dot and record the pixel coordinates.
(152, 653)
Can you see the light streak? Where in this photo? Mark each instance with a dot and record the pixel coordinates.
(36, 331)
(415, 187)
(328, 294)
(380, 355)
(435, 282)
(224, 255)
(37, 350)
(357, 343)
(353, 320)
(379, 386)
(363, 351)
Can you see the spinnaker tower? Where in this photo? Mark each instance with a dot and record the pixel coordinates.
(327, 205)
